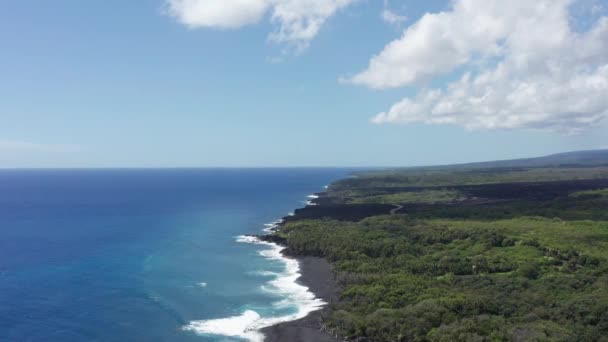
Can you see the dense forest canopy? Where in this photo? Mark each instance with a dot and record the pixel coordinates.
(463, 255)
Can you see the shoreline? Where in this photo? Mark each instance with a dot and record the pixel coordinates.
(317, 275)
(307, 282)
(249, 325)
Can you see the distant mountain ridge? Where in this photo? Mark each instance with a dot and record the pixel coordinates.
(577, 158)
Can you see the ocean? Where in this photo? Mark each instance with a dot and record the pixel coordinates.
(148, 255)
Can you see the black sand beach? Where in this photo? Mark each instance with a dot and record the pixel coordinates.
(318, 276)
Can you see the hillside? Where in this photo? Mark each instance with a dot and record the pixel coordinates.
(591, 157)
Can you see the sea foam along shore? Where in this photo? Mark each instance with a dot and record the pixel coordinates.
(248, 324)
(272, 226)
(311, 198)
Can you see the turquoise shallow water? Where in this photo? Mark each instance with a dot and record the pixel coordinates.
(137, 255)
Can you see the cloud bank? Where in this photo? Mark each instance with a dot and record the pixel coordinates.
(296, 22)
(524, 67)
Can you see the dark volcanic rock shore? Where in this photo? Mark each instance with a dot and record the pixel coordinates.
(318, 276)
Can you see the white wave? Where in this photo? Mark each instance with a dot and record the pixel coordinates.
(249, 239)
(272, 226)
(311, 198)
(202, 284)
(248, 324)
(265, 273)
(237, 326)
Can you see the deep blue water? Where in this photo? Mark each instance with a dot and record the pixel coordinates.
(134, 255)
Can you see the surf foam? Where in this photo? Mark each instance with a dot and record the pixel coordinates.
(311, 198)
(237, 326)
(272, 226)
(248, 324)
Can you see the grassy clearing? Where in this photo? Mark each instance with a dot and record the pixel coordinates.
(424, 196)
(602, 193)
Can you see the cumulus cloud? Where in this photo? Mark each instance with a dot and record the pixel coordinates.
(297, 21)
(525, 67)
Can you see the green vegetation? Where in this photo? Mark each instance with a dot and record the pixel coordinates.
(495, 262)
(567, 208)
(439, 177)
(603, 193)
(425, 196)
(450, 280)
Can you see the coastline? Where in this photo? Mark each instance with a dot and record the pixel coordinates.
(307, 282)
(317, 275)
(410, 233)
(250, 324)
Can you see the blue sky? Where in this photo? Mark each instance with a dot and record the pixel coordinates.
(125, 84)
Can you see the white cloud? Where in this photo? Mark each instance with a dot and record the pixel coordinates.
(597, 8)
(525, 68)
(224, 14)
(13, 146)
(297, 21)
(392, 18)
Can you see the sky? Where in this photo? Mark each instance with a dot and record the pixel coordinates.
(289, 83)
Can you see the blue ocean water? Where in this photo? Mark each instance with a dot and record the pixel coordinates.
(137, 255)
